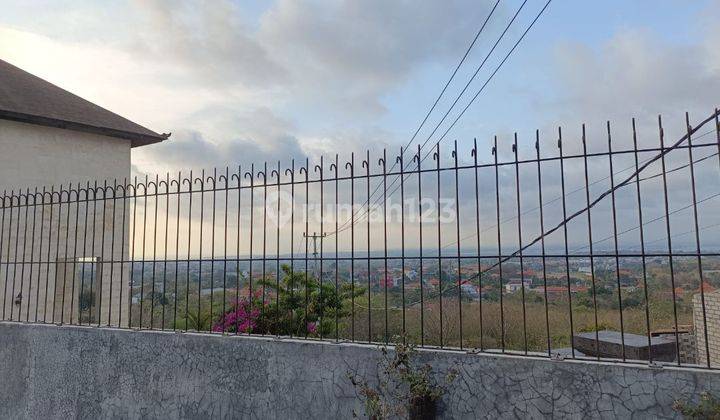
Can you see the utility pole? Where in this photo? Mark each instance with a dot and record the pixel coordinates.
(314, 238)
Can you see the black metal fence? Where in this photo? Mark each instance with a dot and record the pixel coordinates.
(566, 252)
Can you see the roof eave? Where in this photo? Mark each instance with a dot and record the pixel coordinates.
(136, 139)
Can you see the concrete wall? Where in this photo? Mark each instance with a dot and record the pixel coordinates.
(40, 254)
(81, 372)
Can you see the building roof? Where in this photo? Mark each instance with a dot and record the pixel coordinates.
(30, 99)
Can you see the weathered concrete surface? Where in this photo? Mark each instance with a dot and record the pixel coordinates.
(74, 372)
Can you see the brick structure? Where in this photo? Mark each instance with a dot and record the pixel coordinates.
(712, 315)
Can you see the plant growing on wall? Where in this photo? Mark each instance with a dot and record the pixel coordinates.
(707, 408)
(405, 388)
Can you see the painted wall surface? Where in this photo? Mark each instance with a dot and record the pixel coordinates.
(81, 372)
(37, 156)
(53, 252)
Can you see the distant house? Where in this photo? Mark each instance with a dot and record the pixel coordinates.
(516, 284)
(586, 269)
(470, 291)
(50, 137)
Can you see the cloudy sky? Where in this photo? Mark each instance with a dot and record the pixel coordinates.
(238, 82)
(242, 81)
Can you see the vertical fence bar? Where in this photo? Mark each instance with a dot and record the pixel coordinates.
(520, 241)
(383, 163)
(366, 164)
(615, 237)
(189, 181)
(19, 299)
(499, 243)
(14, 263)
(84, 252)
(67, 234)
(238, 176)
(417, 159)
(436, 158)
(200, 246)
(661, 134)
(94, 264)
(165, 252)
(142, 262)
(32, 254)
(307, 226)
(307, 279)
(132, 254)
(2, 243)
(337, 234)
(102, 254)
(122, 253)
(15, 258)
(226, 179)
(40, 246)
(212, 178)
(542, 240)
(177, 248)
(32, 239)
(156, 184)
(590, 241)
(57, 249)
(112, 252)
(565, 242)
(277, 252)
(399, 160)
(474, 154)
(252, 214)
(642, 244)
(457, 236)
(47, 273)
(291, 172)
(321, 169)
(264, 240)
(351, 165)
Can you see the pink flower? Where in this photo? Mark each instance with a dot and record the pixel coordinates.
(312, 327)
(244, 317)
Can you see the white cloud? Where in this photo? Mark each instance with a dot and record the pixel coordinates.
(636, 71)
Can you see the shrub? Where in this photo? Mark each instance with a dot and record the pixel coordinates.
(404, 388)
(707, 408)
(296, 305)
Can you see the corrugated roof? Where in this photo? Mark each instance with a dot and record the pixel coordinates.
(30, 99)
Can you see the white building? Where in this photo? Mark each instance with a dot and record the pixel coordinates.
(49, 139)
(514, 285)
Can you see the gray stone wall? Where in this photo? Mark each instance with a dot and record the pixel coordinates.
(81, 372)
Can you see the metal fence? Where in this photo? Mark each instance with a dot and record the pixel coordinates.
(561, 253)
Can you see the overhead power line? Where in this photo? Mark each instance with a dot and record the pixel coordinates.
(437, 100)
(636, 173)
(477, 94)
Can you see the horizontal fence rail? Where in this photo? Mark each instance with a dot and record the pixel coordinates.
(569, 252)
